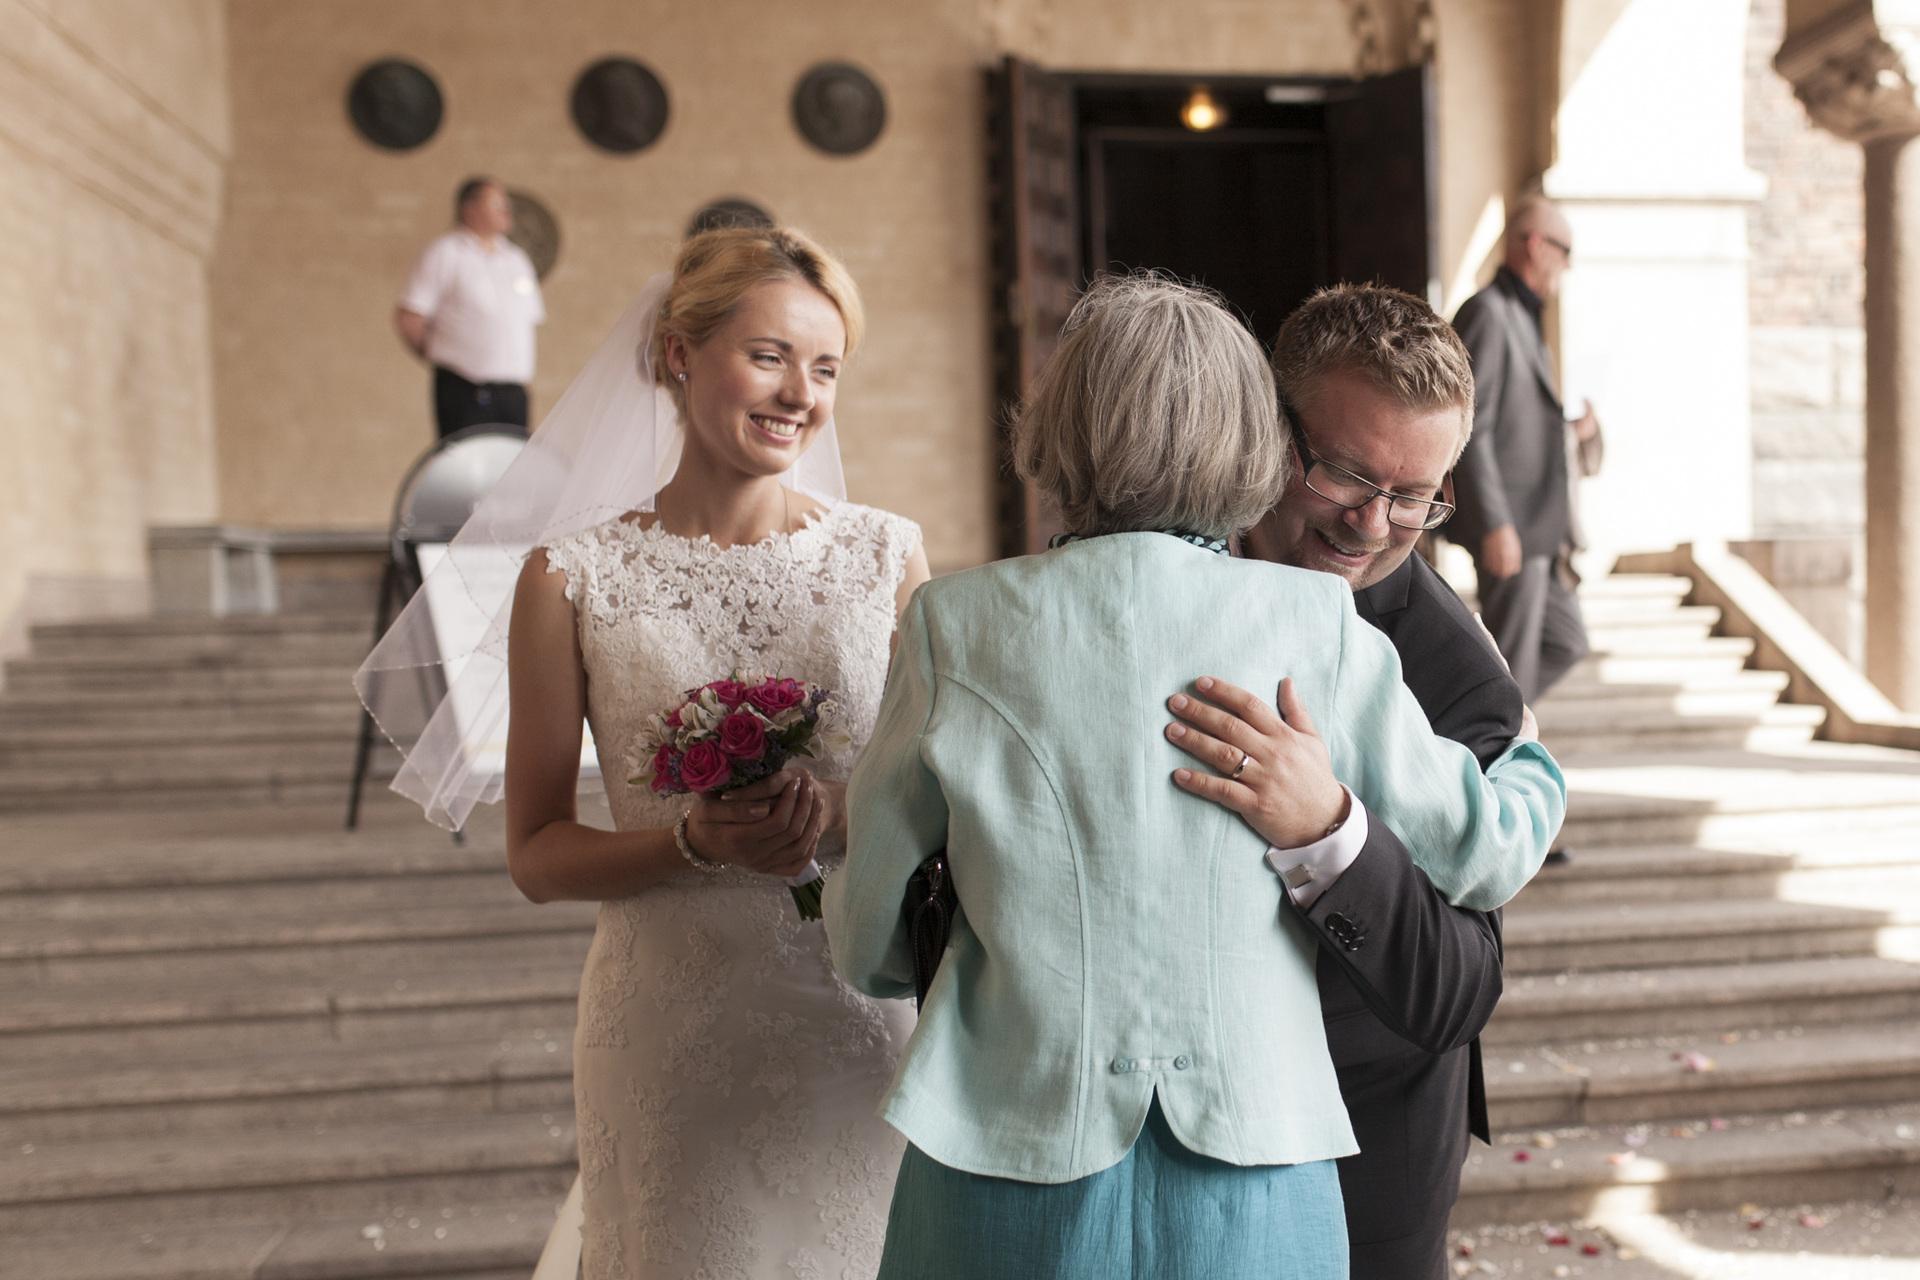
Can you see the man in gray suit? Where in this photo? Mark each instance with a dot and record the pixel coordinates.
(1513, 484)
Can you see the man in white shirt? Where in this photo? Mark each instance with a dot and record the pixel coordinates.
(469, 310)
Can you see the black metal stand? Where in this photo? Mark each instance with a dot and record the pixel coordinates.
(401, 578)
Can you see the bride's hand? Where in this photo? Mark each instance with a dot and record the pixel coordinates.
(771, 827)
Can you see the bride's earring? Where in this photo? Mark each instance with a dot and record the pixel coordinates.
(682, 375)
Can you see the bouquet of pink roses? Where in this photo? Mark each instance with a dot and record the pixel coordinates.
(729, 733)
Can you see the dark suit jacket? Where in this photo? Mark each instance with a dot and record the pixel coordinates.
(1514, 470)
(1407, 981)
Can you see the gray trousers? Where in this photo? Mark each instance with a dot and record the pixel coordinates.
(1535, 619)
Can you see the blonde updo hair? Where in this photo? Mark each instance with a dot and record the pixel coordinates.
(715, 269)
(1156, 411)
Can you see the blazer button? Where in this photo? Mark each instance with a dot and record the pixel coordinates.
(1182, 1062)
(1121, 1066)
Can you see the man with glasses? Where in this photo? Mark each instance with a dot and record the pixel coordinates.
(1516, 501)
(1379, 394)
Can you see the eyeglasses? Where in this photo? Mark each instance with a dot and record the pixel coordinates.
(1343, 488)
(1561, 245)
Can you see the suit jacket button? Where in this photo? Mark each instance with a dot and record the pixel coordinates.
(1182, 1062)
(1338, 922)
(1121, 1066)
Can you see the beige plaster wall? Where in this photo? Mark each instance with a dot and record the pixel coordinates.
(1492, 86)
(113, 138)
(319, 407)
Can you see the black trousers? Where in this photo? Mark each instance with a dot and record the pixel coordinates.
(1535, 619)
(458, 403)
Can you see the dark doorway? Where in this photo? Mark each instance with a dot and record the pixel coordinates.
(1304, 183)
(1243, 208)
(1255, 228)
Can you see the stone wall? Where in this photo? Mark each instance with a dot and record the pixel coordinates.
(319, 407)
(113, 140)
(1806, 287)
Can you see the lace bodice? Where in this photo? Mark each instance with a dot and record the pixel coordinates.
(660, 614)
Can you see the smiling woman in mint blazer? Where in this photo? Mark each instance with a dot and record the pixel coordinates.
(1120, 1070)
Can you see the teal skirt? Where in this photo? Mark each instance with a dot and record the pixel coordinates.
(1162, 1213)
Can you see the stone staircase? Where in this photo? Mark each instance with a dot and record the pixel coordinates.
(1717, 1003)
(237, 1042)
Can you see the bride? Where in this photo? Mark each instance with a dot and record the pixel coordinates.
(725, 1081)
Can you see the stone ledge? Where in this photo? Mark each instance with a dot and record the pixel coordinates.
(228, 569)
(1784, 640)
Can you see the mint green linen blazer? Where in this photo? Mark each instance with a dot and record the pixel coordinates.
(1118, 937)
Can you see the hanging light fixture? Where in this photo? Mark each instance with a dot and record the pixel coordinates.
(1200, 112)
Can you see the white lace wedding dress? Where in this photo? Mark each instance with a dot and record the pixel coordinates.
(724, 1079)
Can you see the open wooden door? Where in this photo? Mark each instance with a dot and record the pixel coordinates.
(1035, 223)
(1380, 135)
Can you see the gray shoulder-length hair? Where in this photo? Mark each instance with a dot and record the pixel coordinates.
(1156, 411)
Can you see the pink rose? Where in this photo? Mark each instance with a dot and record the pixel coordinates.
(730, 692)
(775, 696)
(705, 767)
(663, 767)
(743, 736)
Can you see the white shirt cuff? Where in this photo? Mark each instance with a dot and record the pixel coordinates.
(1310, 870)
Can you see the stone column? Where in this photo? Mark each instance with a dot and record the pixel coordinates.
(1855, 70)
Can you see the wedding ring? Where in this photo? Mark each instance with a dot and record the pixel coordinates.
(1241, 767)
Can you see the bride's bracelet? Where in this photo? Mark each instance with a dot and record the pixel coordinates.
(687, 850)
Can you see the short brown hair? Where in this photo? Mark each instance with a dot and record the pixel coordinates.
(715, 269)
(1390, 338)
(1155, 412)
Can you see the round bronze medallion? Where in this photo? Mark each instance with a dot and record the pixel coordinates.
(395, 104)
(619, 105)
(535, 231)
(729, 211)
(838, 108)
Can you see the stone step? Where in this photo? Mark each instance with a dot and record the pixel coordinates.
(185, 760)
(1671, 633)
(1715, 658)
(217, 909)
(339, 924)
(31, 678)
(133, 630)
(1617, 610)
(198, 654)
(65, 739)
(181, 716)
(207, 847)
(114, 980)
(413, 1240)
(1635, 586)
(1874, 1238)
(1700, 1077)
(1549, 1008)
(333, 1171)
(214, 1095)
(1746, 690)
(331, 688)
(1812, 788)
(1779, 726)
(1645, 934)
(242, 785)
(1854, 863)
(1837, 1153)
(78, 1024)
